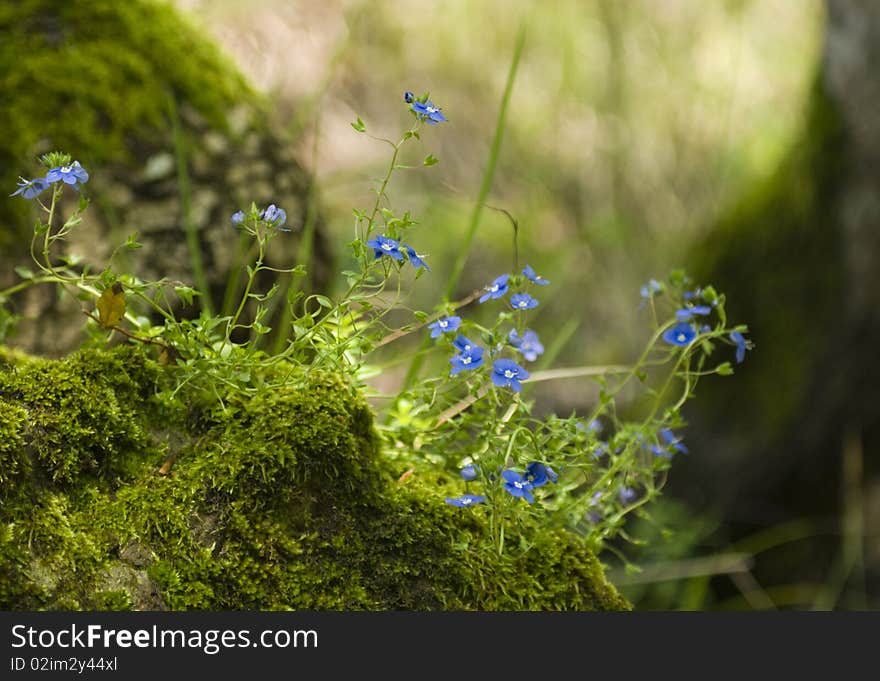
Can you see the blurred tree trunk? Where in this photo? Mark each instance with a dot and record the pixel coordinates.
(800, 261)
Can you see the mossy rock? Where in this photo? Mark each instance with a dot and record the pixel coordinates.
(173, 136)
(282, 501)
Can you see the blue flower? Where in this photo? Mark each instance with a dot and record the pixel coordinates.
(672, 443)
(681, 334)
(496, 289)
(506, 372)
(517, 485)
(30, 189)
(466, 500)
(530, 274)
(74, 174)
(538, 474)
(690, 295)
(427, 111)
(595, 516)
(444, 325)
(627, 495)
(470, 359)
(741, 346)
(687, 313)
(529, 345)
(237, 217)
(469, 472)
(522, 301)
(415, 260)
(648, 290)
(408, 97)
(274, 217)
(463, 343)
(382, 245)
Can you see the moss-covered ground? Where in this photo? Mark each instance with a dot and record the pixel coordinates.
(112, 497)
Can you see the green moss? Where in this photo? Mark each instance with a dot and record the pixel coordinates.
(277, 502)
(94, 78)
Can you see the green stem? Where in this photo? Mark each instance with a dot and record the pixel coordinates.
(464, 245)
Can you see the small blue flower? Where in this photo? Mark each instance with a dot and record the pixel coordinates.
(627, 495)
(237, 217)
(415, 260)
(530, 274)
(382, 245)
(517, 485)
(690, 295)
(465, 361)
(74, 174)
(522, 301)
(444, 325)
(496, 289)
(538, 474)
(672, 443)
(30, 189)
(466, 500)
(741, 346)
(427, 111)
(681, 334)
(648, 290)
(463, 344)
(408, 97)
(469, 472)
(529, 345)
(507, 373)
(274, 217)
(687, 313)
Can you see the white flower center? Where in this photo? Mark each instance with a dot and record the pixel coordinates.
(509, 374)
(432, 109)
(465, 360)
(65, 169)
(518, 484)
(467, 501)
(681, 338)
(444, 324)
(387, 247)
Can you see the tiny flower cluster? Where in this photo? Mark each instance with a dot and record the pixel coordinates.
(386, 246)
(73, 174)
(515, 483)
(686, 329)
(272, 215)
(506, 373)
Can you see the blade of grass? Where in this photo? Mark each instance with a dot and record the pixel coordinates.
(192, 238)
(849, 565)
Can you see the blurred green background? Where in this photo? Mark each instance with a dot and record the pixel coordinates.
(632, 126)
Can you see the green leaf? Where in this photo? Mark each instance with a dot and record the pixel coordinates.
(709, 294)
(359, 125)
(24, 272)
(724, 369)
(185, 293)
(132, 243)
(323, 301)
(431, 160)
